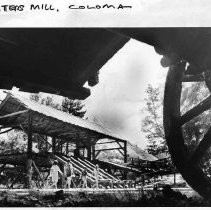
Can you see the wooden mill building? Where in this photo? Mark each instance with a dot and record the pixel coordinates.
(59, 130)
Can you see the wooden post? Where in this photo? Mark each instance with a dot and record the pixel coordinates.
(46, 143)
(93, 152)
(125, 152)
(67, 148)
(53, 144)
(89, 152)
(143, 179)
(76, 152)
(29, 153)
(174, 177)
(38, 143)
(61, 147)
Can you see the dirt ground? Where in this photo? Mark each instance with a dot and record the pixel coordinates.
(165, 197)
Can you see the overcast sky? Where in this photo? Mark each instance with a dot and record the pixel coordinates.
(117, 100)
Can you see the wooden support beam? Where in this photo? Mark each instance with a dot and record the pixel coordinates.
(29, 152)
(46, 141)
(96, 154)
(76, 152)
(67, 148)
(120, 145)
(125, 152)
(89, 152)
(193, 78)
(107, 142)
(13, 114)
(122, 153)
(93, 152)
(29, 132)
(115, 148)
(174, 177)
(61, 147)
(197, 110)
(2, 168)
(53, 144)
(6, 131)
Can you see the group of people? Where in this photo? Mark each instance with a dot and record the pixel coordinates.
(70, 177)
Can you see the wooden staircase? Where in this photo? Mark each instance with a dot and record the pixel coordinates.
(105, 179)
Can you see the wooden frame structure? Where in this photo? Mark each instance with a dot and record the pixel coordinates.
(122, 148)
(40, 122)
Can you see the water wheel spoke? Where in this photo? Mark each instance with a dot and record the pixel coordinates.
(203, 146)
(193, 78)
(197, 110)
(173, 121)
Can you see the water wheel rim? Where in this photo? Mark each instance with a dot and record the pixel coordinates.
(191, 172)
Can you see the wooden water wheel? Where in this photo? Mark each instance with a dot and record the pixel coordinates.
(187, 163)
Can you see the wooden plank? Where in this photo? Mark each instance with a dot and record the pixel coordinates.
(46, 141)
(13, 114)
(96, 154)
(109, 149)
(108, 142)
(6, 131)
(122, 153)
(5, 100)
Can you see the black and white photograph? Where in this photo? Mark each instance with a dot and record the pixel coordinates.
(104, 116)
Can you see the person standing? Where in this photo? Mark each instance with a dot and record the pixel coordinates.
(96, 175)
(54, 173)
(84, 178)
(69, 173)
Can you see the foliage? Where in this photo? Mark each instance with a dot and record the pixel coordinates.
(14, 143)
(48, 101)
(73, 107)
(152, 123)
(193, 131)
(191, 96)
(70, 106)
(197, 127)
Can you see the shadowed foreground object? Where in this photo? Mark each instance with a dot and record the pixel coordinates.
(57, 61)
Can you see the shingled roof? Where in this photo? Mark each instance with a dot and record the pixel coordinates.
(49, 121)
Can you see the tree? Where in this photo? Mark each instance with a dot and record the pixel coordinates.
(195, 129)
(152, 124)
(191, 96)
(14, 143)
(73, 107)
(48, 101)
(70, 106)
